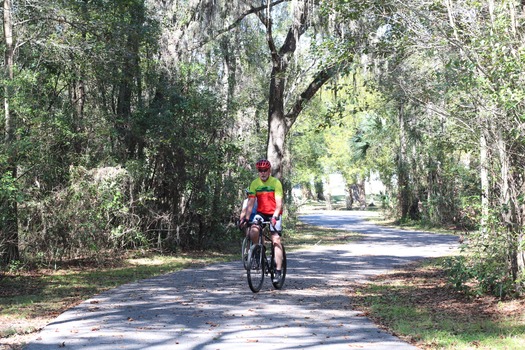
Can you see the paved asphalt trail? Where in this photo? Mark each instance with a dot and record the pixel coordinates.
(213, 307)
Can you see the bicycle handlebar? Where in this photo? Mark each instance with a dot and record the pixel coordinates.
(261, 222)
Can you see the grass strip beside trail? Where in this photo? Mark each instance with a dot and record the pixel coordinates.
(417, 304)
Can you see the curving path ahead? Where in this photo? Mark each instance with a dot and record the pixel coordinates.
(212, 308)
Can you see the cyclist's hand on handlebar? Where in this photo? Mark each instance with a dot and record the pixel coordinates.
(273, 221)
(242, 223)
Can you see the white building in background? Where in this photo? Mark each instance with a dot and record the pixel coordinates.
(335, 186)
(374, 186)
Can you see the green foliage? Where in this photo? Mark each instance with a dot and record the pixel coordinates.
(10, 196)
(189, 164)
(15, 266)
(459, 274)
(8, 186)
(485, 269)
(93, 96)
(448, 88)
(346, 134)
(90, 217)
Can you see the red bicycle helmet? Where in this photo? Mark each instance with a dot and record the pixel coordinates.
(263, 164)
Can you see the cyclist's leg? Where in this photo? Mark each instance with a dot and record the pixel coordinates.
(254, 233)
(278, 250)
(255, 229)
(276, 241)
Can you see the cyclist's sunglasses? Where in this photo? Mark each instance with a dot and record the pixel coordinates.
(263, 170)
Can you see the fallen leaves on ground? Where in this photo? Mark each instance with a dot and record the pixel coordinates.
(429, 290)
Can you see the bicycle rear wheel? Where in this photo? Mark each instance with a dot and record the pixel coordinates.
(245, 250)
(255, 272)
(279, 284)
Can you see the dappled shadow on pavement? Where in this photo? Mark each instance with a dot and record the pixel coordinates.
(213, 308)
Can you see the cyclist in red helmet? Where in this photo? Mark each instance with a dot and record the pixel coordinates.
(263, 164)
(268, 191)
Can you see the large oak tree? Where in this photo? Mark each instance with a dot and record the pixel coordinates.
(289, 29)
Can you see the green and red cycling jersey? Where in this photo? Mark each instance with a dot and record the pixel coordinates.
(266, 192)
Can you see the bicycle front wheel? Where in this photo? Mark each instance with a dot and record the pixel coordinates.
(279, 284)
(245, 250)
(255, 271)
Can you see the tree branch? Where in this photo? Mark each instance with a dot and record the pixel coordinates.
(239, 19)
(322, 77)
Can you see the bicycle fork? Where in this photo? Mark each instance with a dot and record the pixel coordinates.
(268, 263)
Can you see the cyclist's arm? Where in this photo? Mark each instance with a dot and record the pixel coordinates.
(243, 214)
(278, 199)
(249, 208)
(243, 210)
(278, 207)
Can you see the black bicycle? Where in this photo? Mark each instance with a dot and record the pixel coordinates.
(257, 263)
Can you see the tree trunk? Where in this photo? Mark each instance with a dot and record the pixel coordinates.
(77, 91)
(277, 127)
(279, 121)
(403, 187)
(130, 85)
(362, 194)
(9, 229)
(328, 194)
(349, 198)
(484, 177)
(509, 215)
(77, 95)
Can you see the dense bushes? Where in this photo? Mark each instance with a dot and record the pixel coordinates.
(179, 192)
(91, 216)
